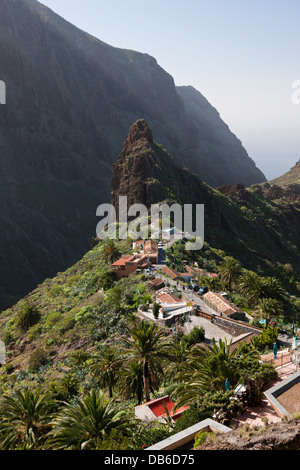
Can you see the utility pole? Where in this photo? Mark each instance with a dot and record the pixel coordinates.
(293, 320)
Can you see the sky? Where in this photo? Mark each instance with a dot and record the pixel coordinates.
(242, 55)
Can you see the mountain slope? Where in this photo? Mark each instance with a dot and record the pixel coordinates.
(70, 101)
(290, 178)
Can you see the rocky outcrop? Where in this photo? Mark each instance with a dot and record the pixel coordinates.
(236, 191)
(146, 173)
(280, 436)
(273, 192)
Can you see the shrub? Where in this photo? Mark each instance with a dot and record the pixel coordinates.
(156, 308)
(191, 416)
(52, 318)
(200, 438)
(115, 440)
(8, 368)
(34, 332)
(267, 338)
(28, 317)
(65, 389)
(150, 436)
(210, 405)
(82, 314)
(66, 323)
(195, 336)
(8, 338)
(55, 291)
(38, 358)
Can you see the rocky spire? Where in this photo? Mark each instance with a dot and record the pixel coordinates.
(139, 132)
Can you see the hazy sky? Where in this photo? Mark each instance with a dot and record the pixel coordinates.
(242, 55)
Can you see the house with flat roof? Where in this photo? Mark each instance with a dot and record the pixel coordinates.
(171, 306)
(158, 410)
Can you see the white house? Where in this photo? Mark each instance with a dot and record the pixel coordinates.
(170, 303)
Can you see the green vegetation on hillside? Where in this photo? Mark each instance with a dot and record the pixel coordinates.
(80, 354)
(77, 353)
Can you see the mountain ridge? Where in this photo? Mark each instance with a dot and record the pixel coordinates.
(289, 179)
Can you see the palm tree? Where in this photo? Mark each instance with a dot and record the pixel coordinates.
(111, 251)
(210, 282)
(268, 307)
(24, 420)
(255, 287)
(273, 288)
(179, 353)
(82, 424)
(230, 270)
(207, 370)
(28, 316)
(130, 381)
(104, 366)
(147, 346)
(251, 285)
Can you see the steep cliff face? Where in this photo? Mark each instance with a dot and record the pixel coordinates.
(221, 151)
(70, 101)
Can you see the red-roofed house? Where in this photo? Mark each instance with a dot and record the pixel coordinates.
(220, 304)
(149, 248)
(172, 273)
(158, 410)
(170, 302)
(128, 264)
(187, 277)
(200, 272)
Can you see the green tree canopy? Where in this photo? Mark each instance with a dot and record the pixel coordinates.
(83, 423)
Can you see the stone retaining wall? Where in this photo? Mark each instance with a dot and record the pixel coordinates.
(233, 327)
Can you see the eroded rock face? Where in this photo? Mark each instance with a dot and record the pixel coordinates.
(280, 436)
(274, 192)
